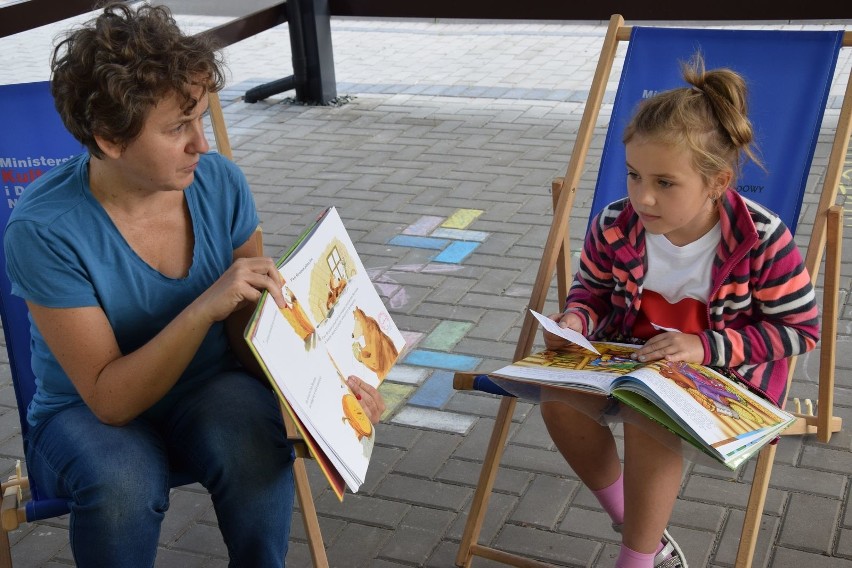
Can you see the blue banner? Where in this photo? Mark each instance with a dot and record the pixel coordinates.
(32, 140)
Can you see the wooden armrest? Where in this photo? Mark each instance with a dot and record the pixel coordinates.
(464, 380)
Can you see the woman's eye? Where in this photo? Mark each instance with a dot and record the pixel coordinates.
(664, 184)
(632, 175)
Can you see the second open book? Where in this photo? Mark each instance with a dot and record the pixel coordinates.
(715, 414)
(333, 325)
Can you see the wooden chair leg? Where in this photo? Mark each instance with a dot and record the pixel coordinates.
(309, 515)
(831, 287)
(479, 505)
(303, 493)
(5, 550)
(754, 509)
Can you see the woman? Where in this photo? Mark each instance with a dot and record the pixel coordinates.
(138, 263)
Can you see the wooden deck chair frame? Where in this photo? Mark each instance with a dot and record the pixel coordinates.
(826, 238)
(13, 512)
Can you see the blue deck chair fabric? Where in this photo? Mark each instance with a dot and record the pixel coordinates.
(33, 140)
(783, 81)
(786, 146)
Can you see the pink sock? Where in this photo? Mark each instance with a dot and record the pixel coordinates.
(612, 500)
(628, 558)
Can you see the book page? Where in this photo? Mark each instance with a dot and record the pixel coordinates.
(564, 332)
(715, 409)
(333, 325)
(575, 366)
(309, 381)
(334, 293)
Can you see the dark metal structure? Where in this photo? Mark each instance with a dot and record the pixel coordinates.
(310, 39)
(313, 76)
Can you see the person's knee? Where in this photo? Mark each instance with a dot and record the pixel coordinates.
(123, 489)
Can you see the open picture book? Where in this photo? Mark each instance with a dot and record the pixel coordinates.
(717, 415)
(334, 325)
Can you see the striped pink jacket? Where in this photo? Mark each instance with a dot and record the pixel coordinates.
(762, 307)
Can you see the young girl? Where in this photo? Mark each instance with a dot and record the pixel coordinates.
(694, 271)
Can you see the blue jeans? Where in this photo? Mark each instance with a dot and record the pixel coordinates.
(227, 434)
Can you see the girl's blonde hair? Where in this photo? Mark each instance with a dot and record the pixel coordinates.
(710, 118)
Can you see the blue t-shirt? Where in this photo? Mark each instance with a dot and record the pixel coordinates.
(63, 251)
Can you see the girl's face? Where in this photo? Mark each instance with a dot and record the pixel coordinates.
(669, 195)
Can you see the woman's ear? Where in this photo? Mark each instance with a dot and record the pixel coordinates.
(109, 148)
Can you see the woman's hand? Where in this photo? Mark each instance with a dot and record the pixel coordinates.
(370, 399)
(242, 284)
(672, 346)
(571, 321)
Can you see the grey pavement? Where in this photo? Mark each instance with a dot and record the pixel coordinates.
(461, 123)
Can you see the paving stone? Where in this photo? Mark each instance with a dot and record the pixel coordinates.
(202, 538)
(726, 551)
(417, 535)
(382, 460)
(38, 545)
(694, 514)
(826, 459)
(363, 509)
(167, 557)
(428, 455)
(357, 545)
(718, 491)
(499, 507)
(544, 502)
(184, 507)
(789, 558)
(460, 472)
(473, 403)
(809, 523)
(533, 432)
(547, 546)
(813, 481)
(592, 524)
(535, 459)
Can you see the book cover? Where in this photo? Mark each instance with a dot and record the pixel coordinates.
(715, 414)
(334, 325)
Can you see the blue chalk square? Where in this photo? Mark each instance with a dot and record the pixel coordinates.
(456, 252)
(418, 242)
(438, 360)
(435, 392)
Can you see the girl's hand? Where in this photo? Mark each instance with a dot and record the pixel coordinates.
(370, 399)
(240, 285)
(570, 321)
(672, 346)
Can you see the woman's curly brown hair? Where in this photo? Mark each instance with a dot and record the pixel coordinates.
(109, 73)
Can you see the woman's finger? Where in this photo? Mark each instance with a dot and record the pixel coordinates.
(370, 399)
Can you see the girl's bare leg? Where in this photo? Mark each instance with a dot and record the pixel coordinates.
(587, 446)
(652, 475)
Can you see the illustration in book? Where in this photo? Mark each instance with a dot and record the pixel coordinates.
(333, 324)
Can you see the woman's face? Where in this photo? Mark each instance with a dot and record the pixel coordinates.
(667, 192)
(165, 154)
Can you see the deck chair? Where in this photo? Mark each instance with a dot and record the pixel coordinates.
(789, 75)
(42, 134)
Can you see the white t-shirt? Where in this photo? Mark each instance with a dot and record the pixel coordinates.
(677, 285)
